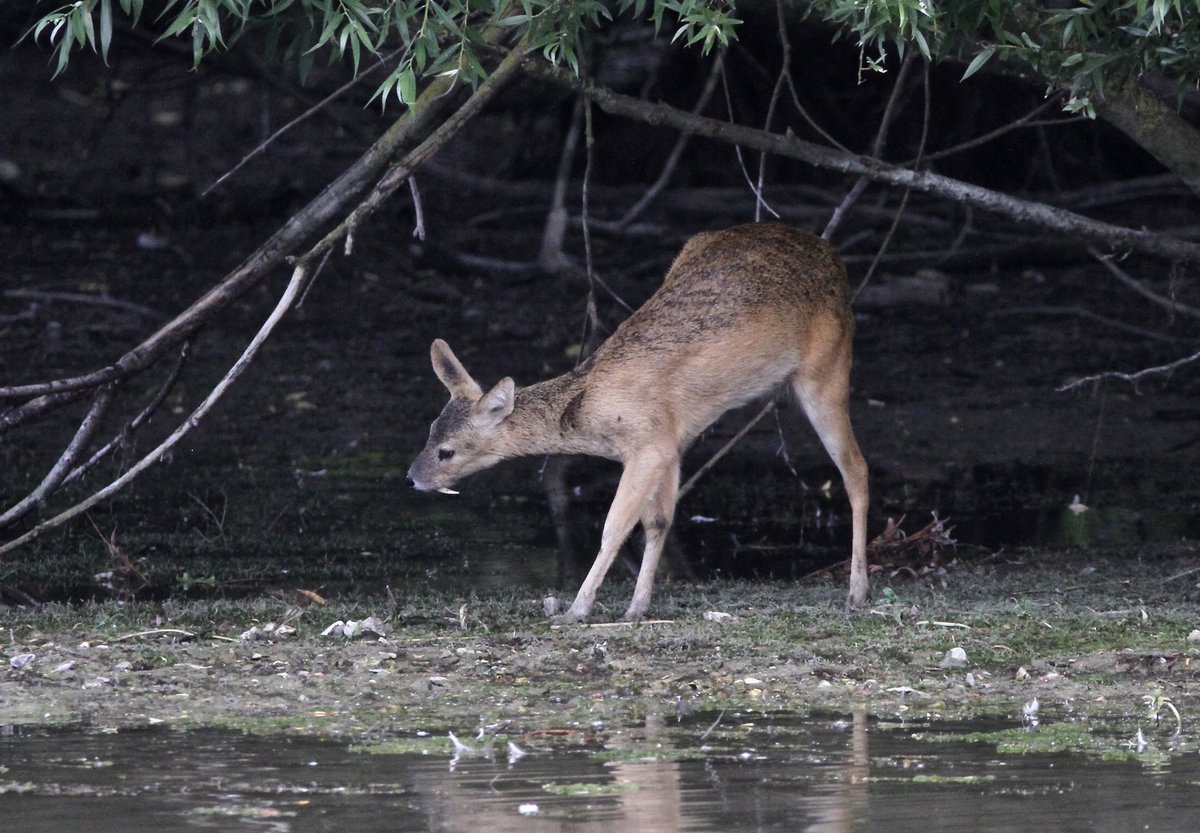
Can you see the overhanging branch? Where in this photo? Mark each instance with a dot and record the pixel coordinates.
(1021, 210)
(305, 266)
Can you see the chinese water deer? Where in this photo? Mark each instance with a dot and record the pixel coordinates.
(739, 312)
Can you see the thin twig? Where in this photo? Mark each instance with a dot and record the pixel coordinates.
(1024, 121)
(418, 209)
(83, 298)
(1080, 312)
(593, 317)
(134, 424)
(399, 172)
(887, 239)
(713, 727)
(1169, 304)
(759, 201)
(723, 450)
(551, 257)
(877, 146)
(785, 70)
(605, 625)
(664, 176)
(311, 111)
(1132, 378)
(156, 632)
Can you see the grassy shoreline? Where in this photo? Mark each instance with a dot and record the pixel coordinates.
(1095, 639)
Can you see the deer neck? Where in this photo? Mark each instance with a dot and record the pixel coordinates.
(548, 418)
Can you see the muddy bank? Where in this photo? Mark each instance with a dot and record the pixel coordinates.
(1086, 637)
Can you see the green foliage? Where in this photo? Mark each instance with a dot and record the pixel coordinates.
(1083, 48)
(416, 38)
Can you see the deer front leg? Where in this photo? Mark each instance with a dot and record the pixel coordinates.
(642, 477)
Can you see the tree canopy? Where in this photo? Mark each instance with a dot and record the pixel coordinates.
(1085, 47)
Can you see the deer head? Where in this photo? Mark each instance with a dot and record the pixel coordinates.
(463, 439)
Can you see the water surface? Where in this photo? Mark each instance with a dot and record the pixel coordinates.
(750, 773)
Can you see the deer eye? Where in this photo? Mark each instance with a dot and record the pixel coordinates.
(445, 453)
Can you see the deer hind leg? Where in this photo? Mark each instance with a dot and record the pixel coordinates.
(643, 477)
(823, 388)
(657, 515)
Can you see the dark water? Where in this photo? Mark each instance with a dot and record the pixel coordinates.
(755, 773)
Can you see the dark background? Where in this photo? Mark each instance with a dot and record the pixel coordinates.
(963, 335)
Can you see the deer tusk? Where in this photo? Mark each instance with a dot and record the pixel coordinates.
(446, 491)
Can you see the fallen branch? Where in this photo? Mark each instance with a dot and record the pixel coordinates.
(926, 540)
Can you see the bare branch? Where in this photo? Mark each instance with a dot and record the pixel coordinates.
(78, 443)
(664, 176)
(399, 173)
(551, 257)
(1026, 120)
(323, 209)
(300, 276)
(396, 175)
(1132, 378)
(134, 424)
(35, 407)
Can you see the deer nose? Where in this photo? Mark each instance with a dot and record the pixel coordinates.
(412, 484)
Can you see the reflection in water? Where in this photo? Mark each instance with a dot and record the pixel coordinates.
(835, 807)
(745, 773)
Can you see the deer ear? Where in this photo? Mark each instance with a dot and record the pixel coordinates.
(493, 407)
(450, 370)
